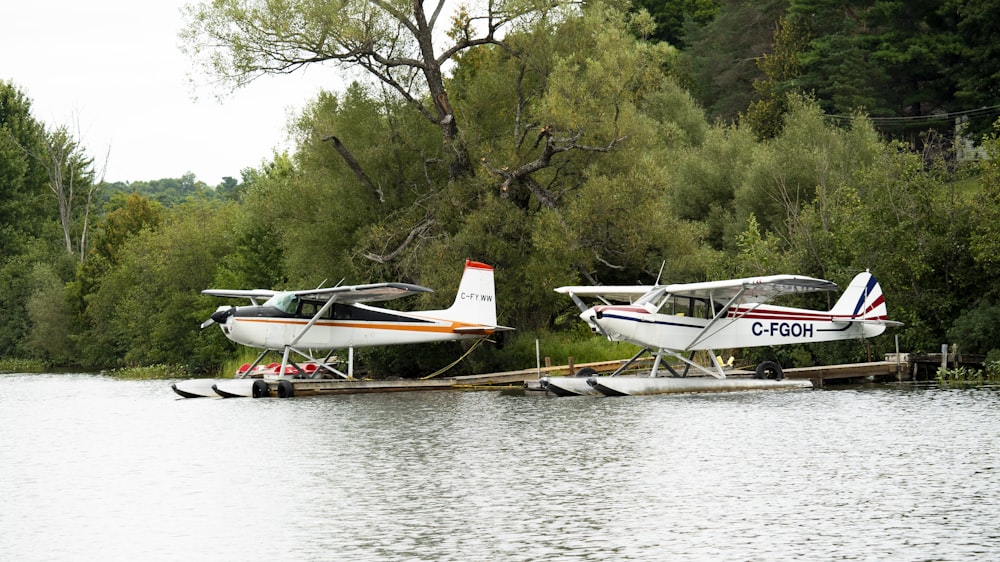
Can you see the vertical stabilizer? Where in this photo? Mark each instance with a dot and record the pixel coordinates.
(862, 300)
(475, 302)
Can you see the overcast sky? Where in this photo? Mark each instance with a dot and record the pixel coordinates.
(113, 71)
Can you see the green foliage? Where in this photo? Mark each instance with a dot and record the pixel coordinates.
(719, 64)
(592, 165)
(147, 309)
(985, 237)
(977, 330)
(150, 372)
(23, 179)
(170, 191)
(963, 376)
(672, 16)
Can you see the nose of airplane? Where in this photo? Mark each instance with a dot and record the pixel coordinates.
(220, 316)
(590, 316)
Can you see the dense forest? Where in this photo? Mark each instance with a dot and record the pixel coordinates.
(597, 142)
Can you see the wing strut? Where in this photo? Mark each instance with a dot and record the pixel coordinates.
(703, 334)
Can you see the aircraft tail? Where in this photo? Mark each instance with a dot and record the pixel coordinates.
(475, 302)
(862, 301)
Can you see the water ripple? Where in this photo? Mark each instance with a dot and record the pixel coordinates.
(92, 467)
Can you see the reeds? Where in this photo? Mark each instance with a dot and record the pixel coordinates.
(971, 376)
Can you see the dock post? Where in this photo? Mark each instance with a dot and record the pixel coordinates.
(944, 357)
(538, 359)
(899, 367)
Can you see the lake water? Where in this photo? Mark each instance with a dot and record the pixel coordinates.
(93, 468)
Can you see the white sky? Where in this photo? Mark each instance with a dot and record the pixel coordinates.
(113, 72)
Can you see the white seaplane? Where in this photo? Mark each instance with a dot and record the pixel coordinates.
(679, 319)
(299, 324)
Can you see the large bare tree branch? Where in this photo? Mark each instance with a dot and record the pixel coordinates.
(241, 40)
(415, 233)
(552, 145)
(355, 166)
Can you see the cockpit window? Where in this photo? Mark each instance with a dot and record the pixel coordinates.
(285, 302)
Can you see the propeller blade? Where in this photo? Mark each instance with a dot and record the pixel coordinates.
(220, 315)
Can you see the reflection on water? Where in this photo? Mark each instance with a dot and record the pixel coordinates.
(96, 468)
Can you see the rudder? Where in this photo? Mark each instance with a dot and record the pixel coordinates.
(862, 300)
(475, 301)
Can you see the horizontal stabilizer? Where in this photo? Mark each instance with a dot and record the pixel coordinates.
(474, 329)
(872, 321)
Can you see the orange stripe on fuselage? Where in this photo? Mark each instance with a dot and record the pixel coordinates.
(401, 327)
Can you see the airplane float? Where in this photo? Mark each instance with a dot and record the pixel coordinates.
(299, 324)
(674, 320)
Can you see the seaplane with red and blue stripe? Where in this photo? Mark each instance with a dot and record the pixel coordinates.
(677, 320)
(302, 325)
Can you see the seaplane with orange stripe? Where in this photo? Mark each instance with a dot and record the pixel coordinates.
(301, 324)
(678, 320)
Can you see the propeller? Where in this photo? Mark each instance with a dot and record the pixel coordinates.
(219, 316)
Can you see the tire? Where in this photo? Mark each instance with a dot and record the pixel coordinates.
(259, 389)
(285, 389)
(769, 370)
(585, 372)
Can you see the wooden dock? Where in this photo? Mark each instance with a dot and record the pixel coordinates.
(879, 370)
(892, 369)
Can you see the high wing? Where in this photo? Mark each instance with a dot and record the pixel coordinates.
(751, 289)
(253, 294)
(621, 293)
(349, 294)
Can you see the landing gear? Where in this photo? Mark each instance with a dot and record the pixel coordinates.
(769, 370)
(586, 372)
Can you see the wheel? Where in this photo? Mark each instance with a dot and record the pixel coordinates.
(586, 372)
(769, 370)
(285, 389)
(260, 389)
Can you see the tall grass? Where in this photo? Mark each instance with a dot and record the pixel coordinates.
(13, 365)
(150, 372)
(962, 375)
(561, 347)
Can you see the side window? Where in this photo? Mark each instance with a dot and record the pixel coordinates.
(308, 309)
(341, 312)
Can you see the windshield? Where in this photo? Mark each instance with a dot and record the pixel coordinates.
(285, 302)
(655, 298)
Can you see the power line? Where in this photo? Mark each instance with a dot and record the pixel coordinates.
(914, 118)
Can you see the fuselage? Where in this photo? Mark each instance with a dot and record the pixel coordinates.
(744, 326)
(342, 326)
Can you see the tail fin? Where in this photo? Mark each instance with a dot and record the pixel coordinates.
(862, 301)
(475, 302)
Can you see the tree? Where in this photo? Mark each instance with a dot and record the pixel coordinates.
(672, 15)
(23, 178)
(974, 63)
(71, 181)
(392, 41)
(719, 65)
(146, 310)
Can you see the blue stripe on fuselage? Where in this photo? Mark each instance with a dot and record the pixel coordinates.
(632, 319)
